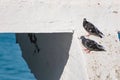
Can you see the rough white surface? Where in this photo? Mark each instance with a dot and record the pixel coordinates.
(75, 68)
(104, 65)
(66, 15)
(53, 15)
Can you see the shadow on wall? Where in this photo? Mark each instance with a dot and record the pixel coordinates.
(49, 62)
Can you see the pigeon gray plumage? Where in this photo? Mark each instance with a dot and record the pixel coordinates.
(91, 45)
(91, 29)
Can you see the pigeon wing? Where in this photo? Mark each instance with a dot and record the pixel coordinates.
(90, 44)
(91, 29)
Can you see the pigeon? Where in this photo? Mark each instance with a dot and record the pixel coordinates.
(91, 29)
(91, 45)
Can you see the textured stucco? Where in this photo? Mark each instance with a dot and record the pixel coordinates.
(59, 16)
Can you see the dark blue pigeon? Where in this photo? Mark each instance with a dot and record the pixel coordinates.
(91, 45)
(91, 29)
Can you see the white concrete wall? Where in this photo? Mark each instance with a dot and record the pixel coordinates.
(45, 16)
(104, 65)
(60, 57)
(57, 15)
(76, 65)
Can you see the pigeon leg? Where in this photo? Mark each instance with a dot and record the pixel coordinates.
(85, 49)
(88, 35)
(88, 52)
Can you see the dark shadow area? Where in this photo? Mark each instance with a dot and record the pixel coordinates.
(49, 62)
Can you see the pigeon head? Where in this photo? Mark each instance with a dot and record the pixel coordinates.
(84, 19)
(82, 37)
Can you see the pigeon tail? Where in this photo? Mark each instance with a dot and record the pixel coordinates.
(100, 36)
(101, 33)
(101, 48)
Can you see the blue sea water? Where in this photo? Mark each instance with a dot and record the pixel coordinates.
(119, 35)
(12, 65)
